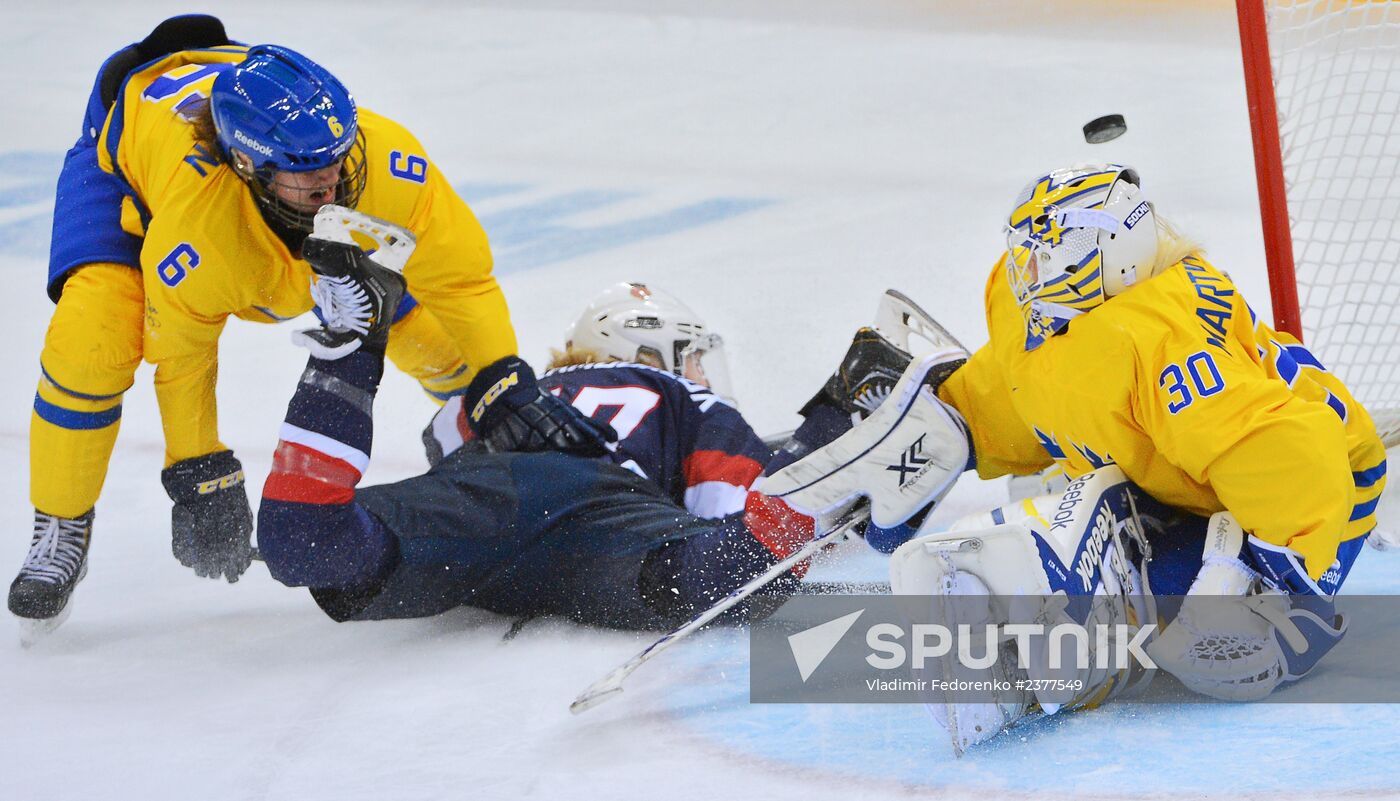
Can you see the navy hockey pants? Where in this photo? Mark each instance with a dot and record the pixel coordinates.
(539, 533)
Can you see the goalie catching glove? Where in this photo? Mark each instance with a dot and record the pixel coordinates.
(212, 523)
(506, 408)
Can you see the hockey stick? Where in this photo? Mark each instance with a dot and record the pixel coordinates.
(611, 685)
(843, 588)
(775, 441)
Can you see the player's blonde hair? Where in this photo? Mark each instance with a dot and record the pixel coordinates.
(1172, 245)
(571, 356)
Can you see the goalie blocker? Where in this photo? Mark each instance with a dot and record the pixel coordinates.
(904, 457)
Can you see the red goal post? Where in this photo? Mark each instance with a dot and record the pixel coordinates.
(1323, 84)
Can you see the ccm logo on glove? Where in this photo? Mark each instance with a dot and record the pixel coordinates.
(224, 482)
(510, 412)
(491, 394)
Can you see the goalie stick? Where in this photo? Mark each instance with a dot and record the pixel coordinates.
(611, 685)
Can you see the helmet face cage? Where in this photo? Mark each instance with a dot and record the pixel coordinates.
(279, 212)
(1056, 238)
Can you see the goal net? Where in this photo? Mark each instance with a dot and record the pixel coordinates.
(1331, 197)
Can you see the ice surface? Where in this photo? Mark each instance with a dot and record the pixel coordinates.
(779, 165)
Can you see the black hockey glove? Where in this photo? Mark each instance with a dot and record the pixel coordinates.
(212, 523)
(509, 412)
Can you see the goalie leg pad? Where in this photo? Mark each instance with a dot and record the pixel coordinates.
(962, 598)
(1243, 648)
(1073, 558)
(1237, 639)
(965, 576)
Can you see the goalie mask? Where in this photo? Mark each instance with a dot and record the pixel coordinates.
(281, 117)
(632, 322)
(1075, 238)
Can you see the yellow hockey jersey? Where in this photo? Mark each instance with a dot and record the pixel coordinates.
(207, 252)
(1202, 406)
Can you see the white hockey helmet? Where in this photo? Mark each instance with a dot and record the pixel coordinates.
(1075, 238)
(631, 322)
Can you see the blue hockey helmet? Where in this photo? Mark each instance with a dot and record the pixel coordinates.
(279, 111)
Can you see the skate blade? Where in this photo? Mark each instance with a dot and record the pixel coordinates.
(33, 631)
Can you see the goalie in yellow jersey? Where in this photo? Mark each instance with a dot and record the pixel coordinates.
(1120, 355)
(199, 171)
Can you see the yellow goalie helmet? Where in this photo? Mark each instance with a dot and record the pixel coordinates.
(1075, 238)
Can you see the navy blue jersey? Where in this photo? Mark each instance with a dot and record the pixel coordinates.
(523, 533)
(678, 434)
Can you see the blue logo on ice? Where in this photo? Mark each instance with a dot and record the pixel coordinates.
(811, 647)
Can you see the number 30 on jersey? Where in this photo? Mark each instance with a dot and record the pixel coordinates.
(1200, 379)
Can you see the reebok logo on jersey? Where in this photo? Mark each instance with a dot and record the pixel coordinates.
(251, 143)
(489, 397)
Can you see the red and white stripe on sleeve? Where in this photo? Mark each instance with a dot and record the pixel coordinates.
(308, 467)
(717, 483)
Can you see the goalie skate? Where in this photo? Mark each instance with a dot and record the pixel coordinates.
(1237, 639)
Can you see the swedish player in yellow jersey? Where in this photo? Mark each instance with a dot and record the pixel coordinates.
(1119, 354)
(1177, 382)
(199, 172)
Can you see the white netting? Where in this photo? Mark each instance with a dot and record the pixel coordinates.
(1337, 82)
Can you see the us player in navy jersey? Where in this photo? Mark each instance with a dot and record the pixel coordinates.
(661, 527)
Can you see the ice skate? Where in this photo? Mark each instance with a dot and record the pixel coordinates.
(57, 561)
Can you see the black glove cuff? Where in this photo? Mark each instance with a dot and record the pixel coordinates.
(191, 479)
(492, 390)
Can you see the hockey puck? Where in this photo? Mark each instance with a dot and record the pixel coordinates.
(1104, 129)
